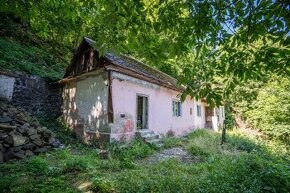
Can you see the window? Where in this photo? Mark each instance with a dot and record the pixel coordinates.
(198, 110)
(176, 108)
(222, 112)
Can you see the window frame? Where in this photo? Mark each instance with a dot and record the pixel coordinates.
(198, 110)
(176, 108)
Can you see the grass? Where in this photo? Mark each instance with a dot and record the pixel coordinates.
(29, 59)
(243, 164)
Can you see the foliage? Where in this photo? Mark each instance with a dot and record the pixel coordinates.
(29, 59)
(210, 45)
(242, 164)
(266, 107)
(169, 142)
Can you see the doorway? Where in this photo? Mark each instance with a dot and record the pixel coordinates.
(142, 112)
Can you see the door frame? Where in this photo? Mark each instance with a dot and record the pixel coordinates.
(146, 96)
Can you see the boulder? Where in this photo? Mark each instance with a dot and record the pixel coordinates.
(20, 130)
(37, 142)
(20, 154)
(3, 136)
(31, 131)
(21, 135)
(40, 129)
(42, 149)
(29, 146)
(19, 140)
(47, 133)
(29, 153)
(34, 136)
(8, 140)
(25, 126)
(5, 119)
(9, 156)
(16, 149)
(1, 157)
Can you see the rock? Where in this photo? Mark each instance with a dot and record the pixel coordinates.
(16, 149)
(40, 130)
(6, 127)
(20, 154)
(51, 140)
(42, 149)
(29, 153)
(29, 146)
(19, 140)
(5, 145)
(57, 144)
(21, 135)
(31, 131)
(34, 136)
(5, 119)
(8, 140)
(9, 156)
(47, 133)
(1, 157)
(3, 136)
(20, 130)
(37, 142)
(25, 126)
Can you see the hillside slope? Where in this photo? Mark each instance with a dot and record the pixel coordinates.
(22, 50)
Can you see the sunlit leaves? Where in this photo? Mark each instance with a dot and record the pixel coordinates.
(210, 45)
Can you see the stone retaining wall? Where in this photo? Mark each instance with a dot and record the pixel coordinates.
(35, 94)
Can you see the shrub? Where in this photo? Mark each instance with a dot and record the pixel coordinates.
(75, 164)
(242, 143)
(103, 185)
(169, 142)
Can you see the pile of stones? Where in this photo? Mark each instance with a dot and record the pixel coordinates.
(21, 135)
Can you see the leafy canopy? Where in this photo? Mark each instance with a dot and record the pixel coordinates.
(209, 45)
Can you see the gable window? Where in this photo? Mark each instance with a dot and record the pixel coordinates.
(176, 108)
(198, 110)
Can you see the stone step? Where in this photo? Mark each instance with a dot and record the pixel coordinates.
(150, 136)
(143, 132)
(156, 142)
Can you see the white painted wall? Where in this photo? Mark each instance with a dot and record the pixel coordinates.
(85, 105)
(6, 86)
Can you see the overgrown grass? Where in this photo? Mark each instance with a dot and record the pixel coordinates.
(242, 164)
(30, 59)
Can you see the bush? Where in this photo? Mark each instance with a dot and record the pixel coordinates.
(242, 143)
(267, 108)
(103, 185)
(169, 142)
(76, 164)
(137, 149)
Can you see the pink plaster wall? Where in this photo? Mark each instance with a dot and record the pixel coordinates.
(161, 119)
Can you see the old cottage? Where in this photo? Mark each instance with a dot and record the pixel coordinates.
(113, 97)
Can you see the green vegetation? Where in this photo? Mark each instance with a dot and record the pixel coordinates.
(265, 106)
(210, 45)
(243, 164)
(29, 59)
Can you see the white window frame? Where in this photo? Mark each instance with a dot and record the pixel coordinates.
(198, 110)
(176, 108)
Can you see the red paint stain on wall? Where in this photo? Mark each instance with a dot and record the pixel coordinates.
(128, 126)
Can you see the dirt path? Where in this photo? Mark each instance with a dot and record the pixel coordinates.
(173, 153)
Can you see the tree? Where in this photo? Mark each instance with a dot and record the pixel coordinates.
(209, 45)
